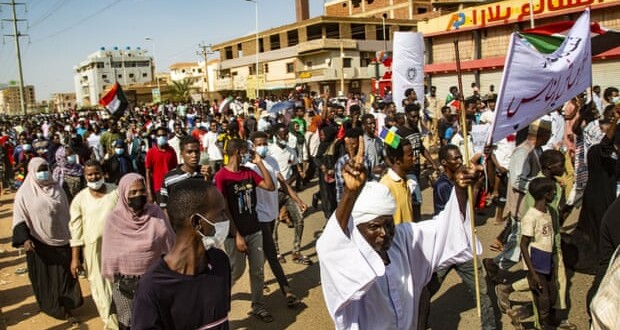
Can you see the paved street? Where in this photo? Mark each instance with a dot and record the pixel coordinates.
(453, 307)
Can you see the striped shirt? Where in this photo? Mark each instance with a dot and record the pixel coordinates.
(173, 177)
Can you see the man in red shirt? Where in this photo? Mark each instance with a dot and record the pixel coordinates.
(160, 159)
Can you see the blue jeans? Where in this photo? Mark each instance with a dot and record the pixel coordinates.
(466, 272)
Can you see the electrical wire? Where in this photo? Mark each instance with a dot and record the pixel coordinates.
(78, 22)
(47, 14)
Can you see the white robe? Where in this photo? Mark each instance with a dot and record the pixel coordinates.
(362, 293)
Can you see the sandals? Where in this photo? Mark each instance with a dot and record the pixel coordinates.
(301, 259)
(264, 315)
(292, 301)
(281, 259)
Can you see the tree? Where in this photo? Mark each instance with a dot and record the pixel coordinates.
(181, 89)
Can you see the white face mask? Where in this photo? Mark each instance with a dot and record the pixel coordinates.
(95, 185)
(217, 240)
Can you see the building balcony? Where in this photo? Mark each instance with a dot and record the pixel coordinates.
(325, 44)
(223, 84)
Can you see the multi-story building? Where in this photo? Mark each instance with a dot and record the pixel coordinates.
(202, 76)
(394, 9)
(333, 55)
(105, 67)
(62, 102)
(484, 33)
(10, 102)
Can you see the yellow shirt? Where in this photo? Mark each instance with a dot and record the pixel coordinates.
(402, 196)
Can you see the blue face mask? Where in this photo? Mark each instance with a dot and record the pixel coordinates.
(262, 151)
(119, 151)
(71, 159)
(42, 175)
(245, 158)
(161, 141)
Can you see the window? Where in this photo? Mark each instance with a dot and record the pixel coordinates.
(309, 65)
(274, 41)
(131, 75)
(261, 45)
(293, 38)
(290, 67)
(120, 76)
(358, 31)
(266, 68)
(422, 10)
(100, 65)
(366, 59)
(314, 32)
(144, 75)
(379, 32)
(346, 62)
(252, 69)
(228, 53)
(104, 76)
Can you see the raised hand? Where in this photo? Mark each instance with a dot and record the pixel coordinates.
(354, 172)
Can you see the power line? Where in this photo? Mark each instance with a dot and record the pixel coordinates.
(79, 22)
(47, 14)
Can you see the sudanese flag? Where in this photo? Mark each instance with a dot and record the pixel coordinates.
(115, 100)
(547, 38)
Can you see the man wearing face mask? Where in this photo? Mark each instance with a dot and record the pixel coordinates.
(238, 185)
(89, 212)
(195, 263)
(160, 159)
(117, 165)
(267, 208)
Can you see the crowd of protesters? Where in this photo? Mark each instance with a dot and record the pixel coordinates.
(107, 195)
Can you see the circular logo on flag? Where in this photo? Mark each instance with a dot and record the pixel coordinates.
(411, 74)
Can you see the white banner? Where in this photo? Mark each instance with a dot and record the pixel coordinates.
(407, 66)
(533, 84)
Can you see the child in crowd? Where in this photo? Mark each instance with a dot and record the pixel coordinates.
(537, 244)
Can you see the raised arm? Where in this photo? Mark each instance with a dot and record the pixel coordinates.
(354, 175)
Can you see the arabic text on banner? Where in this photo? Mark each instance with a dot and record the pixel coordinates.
(533, 84)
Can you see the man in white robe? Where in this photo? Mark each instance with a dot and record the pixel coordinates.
(372, 272)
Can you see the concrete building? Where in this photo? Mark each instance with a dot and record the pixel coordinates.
(484, 33)
(326, 54)
(393, 9)
(106, 66)
(62, 102)
(10, 102)
(202, 76)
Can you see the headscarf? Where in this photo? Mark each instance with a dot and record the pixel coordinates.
(64, 168)
(132, 243)
(330, 135)
(43, 206)
(374, 201)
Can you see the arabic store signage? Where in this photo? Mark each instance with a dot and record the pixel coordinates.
(503, 12)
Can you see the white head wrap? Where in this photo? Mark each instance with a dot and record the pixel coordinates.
(374, 201)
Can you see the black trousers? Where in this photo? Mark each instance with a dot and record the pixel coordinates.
(269, 248)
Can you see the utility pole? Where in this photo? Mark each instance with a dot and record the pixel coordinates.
(205, 51)
(16, 34)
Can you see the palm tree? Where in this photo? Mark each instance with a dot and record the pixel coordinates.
(181, 89)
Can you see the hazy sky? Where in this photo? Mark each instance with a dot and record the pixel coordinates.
(62, 33)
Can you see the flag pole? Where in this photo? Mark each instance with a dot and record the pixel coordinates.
(470, 191)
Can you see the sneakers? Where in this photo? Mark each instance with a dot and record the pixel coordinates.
(503, 296)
